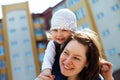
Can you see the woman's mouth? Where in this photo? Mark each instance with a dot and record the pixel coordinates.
(67, 67)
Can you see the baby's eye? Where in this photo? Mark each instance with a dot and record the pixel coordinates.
(64, 30)
(55, 30)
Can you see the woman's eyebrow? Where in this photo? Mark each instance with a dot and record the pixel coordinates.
(71, 51)
(66, 49)
(78, 55)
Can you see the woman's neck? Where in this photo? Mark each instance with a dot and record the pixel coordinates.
(73, 78)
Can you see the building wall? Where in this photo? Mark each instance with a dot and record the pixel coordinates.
(108, 24)
(3, 72)
(20, 48)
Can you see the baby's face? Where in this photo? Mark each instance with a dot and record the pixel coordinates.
(60, 35)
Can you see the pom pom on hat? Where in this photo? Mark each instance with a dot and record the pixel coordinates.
(64, 19)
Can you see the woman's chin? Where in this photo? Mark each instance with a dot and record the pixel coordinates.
(64, 72)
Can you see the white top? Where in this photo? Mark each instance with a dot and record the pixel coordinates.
(50, 53)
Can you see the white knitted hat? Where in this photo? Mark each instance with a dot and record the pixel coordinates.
(64, 19)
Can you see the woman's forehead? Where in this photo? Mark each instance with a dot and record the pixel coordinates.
(75, 46)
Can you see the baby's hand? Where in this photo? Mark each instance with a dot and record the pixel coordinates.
(43, 77)
(46, 75)
(46, 72)
(106, 69)
(105, 66)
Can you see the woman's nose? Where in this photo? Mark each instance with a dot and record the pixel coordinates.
(68, 61)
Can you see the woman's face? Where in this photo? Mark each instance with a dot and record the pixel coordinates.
(73, 58)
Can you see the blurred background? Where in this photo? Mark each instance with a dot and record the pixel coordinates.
(25, 32)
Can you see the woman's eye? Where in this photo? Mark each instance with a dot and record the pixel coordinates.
(76, 58)
(65, 53)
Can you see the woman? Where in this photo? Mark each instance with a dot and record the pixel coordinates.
(80, 59)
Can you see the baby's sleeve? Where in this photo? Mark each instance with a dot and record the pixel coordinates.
(48, 59)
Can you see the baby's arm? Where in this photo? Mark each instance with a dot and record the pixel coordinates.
(48, 59)
(106, 69)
